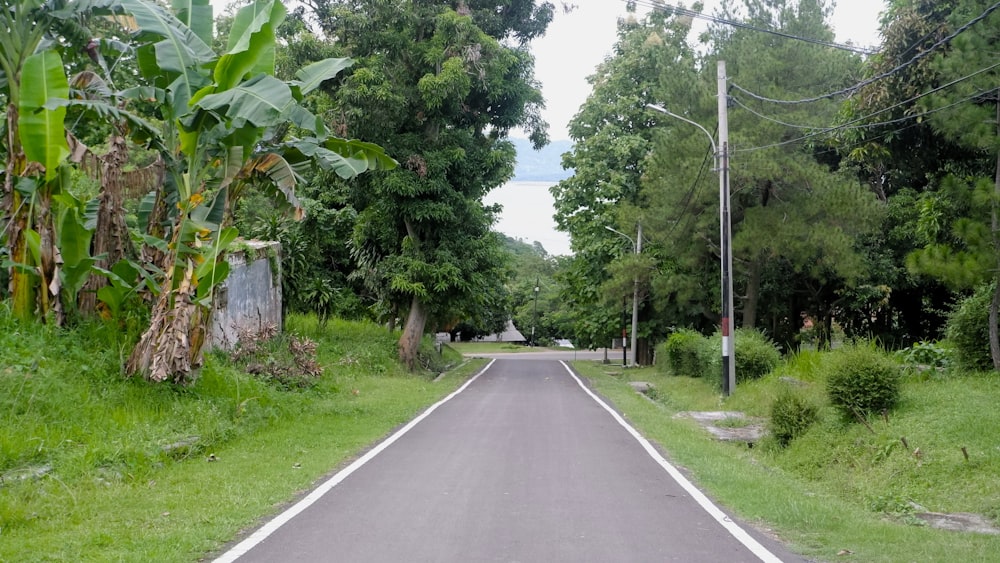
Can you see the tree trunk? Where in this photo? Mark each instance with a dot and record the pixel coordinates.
(111, 238)
(49, 260)
(413, 330)
(170, 349)
(752, 295)
(15, 220)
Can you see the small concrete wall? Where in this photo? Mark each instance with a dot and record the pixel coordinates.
(250, 297)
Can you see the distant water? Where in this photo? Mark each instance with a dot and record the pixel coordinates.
(527, 214)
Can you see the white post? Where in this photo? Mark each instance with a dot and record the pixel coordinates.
(728, 333)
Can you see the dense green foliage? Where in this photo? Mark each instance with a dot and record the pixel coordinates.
(968, 330)
(685, 352)
(756, 355)
(861, 380)
(791, 415)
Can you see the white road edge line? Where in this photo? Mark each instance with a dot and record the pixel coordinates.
(272, 526)
(733, 528)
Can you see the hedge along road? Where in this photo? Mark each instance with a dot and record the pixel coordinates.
(523, 463)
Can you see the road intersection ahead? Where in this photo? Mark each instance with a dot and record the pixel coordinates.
(523, 464)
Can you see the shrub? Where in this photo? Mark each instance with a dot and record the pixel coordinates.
(861, 380)
(929, 354)
(756, 355)
(791, 415)
(686, 352)
(968, 330)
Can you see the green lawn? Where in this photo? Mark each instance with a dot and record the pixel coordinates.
(492, 347)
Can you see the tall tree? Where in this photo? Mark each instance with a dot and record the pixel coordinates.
(440, 84)
(902, 157)
(968, 112)
(790, 212)
(613, 132)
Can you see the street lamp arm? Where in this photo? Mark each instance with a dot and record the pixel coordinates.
(664, 110)
(620, 233)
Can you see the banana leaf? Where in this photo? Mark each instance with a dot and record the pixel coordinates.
(251, 44)
(42, 132)
(313, 75)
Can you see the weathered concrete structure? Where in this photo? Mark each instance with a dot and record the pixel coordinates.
(250, 297)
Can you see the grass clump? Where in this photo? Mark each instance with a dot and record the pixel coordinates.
(861, 380)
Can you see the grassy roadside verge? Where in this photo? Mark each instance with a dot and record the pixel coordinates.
(812, 516)
(112, 486)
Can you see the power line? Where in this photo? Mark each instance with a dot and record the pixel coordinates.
(851, 124)
(886, 74)
(714, 19)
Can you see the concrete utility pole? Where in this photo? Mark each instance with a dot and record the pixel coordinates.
(637, 244)
(722, 163)
(728, 332)
(635, 299)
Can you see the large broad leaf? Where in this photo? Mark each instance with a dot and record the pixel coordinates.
(251, 43)
(345, 158)
(181, 47)
(184, 89)
(261, 102)
(74, 237)
(197, 15)
(281, 181)
(313, 75)
(42, 131)
(174, 59)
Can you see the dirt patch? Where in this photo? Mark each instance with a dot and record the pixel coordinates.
(959, 522)
(728, 426)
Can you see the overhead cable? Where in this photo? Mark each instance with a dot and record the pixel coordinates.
(852, 89)
(714, 19)
(852, 123)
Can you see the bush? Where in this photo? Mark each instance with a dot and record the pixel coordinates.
(686, 352)
(925, 354)
(969, 330)
(861, 380)
(756, 355)
(791, 415)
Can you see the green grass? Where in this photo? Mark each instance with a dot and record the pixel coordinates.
(491, 347)
(840, 486)
(114, 489)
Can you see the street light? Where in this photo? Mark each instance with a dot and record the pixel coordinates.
(722, 164)
(637, 244)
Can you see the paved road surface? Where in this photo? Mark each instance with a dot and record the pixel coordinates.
(524, 465)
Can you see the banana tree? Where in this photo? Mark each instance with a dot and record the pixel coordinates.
(221, 115)
(34, 85)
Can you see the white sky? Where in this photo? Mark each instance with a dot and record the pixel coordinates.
(577, 42)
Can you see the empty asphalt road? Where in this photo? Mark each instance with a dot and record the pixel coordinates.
(522, 465)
